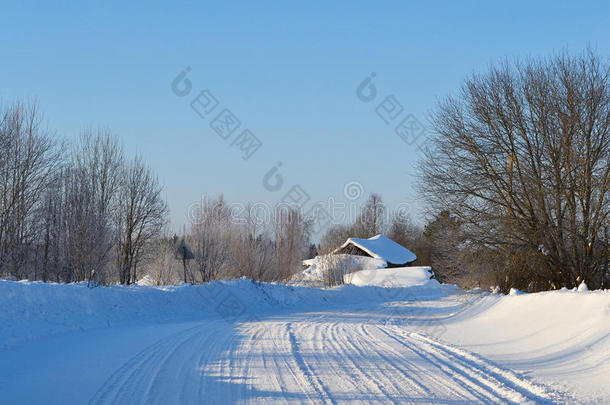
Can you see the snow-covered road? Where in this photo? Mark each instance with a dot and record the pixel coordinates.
(66, 344)
(330, 357)
(335, 357)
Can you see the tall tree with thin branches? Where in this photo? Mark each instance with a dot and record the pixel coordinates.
(28, 159)
(140, 216)
(521, 156)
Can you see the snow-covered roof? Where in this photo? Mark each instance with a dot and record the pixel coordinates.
(382, 247)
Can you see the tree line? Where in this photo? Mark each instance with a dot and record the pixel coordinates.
(219, 244)
(516, 176)
(85, 211)
(72, 211)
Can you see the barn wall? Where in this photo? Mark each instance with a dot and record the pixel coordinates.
(353, 250)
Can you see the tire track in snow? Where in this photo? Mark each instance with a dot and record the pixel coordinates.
(428, 376)
(115, 387)
(210, 346)
(373, 379)
(244, 371)
(315, 334)
(289, 363)
(313, 379)
(507, 377)
(311, 358)
(165, 369)
(329, 362)
(493, 388)
(365, 342)
(479, 391)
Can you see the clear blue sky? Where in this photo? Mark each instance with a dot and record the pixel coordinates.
(289, 72)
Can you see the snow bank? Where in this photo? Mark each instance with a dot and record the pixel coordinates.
(364, 271)
(31, 310)
(393, 277)
(557, 335)
(561, 338)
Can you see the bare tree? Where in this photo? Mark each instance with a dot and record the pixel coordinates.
(88, 236)
(406, 232)
(28, 159)
(371, 220)
(140, 215)
(53, 229)
(93, 184)
(334, 237)
(291, 241)
(522, 158)
(63, 209)
(210, 238)
(99, 155)
(251, 248)
(403, 230)
(162, 266)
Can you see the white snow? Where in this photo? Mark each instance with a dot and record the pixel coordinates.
(382, 247)
(561, 337)
(393, 277)
(244, 342)
(147, 280)
(365, 271)
(314, 275)
(514, 291)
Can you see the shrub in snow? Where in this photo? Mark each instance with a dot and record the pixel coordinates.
(328, 270)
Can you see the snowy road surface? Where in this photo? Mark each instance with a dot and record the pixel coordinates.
(330, 357)
(236, 341)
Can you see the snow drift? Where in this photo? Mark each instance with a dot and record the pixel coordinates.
(32, 310)
(560, 337)
(393, 277)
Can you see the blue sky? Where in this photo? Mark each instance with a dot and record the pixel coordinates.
(289, 73)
